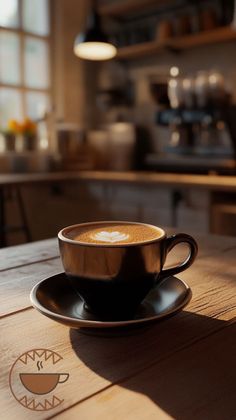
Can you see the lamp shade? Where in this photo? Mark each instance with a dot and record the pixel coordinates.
(93, 44)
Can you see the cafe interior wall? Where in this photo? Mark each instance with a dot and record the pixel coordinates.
(72, 203)
(141, 72)
(75, 84)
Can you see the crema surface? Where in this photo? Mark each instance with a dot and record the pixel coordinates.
(114, 233)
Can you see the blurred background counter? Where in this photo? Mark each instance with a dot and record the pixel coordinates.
(205, 203)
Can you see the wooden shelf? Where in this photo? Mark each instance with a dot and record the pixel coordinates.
(123, 7)
(222, 34)
(225, 33)
(140, 50)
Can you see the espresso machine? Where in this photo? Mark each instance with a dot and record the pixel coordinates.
(202, 127)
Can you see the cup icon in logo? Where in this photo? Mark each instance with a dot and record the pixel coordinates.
(42, 383)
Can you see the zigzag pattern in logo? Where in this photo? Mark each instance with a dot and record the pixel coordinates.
(32, 354)
(40, 406)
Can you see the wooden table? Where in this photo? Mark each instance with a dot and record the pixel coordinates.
(182, 368)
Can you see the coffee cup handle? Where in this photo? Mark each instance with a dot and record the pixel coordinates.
(63, 378)
(169, 244)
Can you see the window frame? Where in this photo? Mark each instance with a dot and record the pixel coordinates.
(21, 87)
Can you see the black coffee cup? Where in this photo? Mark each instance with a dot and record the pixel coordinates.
(113, 279)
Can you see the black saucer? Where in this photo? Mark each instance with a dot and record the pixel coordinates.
(54, 297)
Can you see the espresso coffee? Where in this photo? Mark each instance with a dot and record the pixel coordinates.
(114, 233)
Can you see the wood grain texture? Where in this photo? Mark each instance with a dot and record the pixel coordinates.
(180, 368)
(95, 363)
(30, 253)
(197, 382)
(16, 284)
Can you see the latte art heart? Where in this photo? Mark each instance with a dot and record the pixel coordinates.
(111, 237)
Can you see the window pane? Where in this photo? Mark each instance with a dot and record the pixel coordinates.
(36, 68)
(36, 16)
(10, 106)
(36, 104)
(9, 58)
(9, 13)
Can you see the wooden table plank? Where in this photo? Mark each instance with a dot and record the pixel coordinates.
(94, 363)
(29, 253)
(16, 284)
(196, 383)
(213, 282)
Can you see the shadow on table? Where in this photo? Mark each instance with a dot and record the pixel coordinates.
(174, 363)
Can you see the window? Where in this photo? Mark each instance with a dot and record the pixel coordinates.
(24, 59)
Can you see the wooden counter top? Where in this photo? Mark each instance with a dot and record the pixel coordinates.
(180, 368)
(210, 182)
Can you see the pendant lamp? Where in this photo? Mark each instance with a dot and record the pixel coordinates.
(93, 43)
